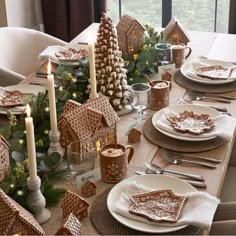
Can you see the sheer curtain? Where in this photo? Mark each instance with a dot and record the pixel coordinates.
(232, 17)
(65, 19)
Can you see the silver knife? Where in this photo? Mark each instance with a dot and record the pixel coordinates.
(194, 183)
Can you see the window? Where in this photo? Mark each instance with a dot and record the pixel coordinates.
(195, 15)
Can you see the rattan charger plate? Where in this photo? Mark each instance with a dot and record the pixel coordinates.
(156, 137)
(204, 88)
(106, 224)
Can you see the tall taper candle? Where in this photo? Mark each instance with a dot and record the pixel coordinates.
(31, 146)
(52, 100)
(92, 71)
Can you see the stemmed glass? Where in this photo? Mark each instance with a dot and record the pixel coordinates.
(81, 158)
(139, 99)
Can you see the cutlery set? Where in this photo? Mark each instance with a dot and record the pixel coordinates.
(174, 158)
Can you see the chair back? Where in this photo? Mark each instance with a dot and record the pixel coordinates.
(20, 47)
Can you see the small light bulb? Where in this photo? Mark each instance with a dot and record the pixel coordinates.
(46, 131)
(20, 192)
(21, 141)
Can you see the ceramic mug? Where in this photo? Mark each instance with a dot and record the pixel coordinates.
(180, 54)
(114, 161)
(160, 94)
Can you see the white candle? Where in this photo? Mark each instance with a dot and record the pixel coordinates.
(92, 71)
(31, 145)
(52, 100)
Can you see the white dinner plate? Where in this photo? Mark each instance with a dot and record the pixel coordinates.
(156, 182)
(23, 88)
(188, 67)
(197, 109)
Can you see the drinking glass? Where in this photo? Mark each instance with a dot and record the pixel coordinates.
(81, 158)
(163, 54)
(139, 98)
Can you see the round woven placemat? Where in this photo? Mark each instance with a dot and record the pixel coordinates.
(106, 224)
(191, 85)
(156, 137)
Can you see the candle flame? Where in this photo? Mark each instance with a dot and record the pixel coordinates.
(28, 110)
(49, 67)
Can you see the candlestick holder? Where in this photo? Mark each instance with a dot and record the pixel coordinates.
(36, 201)
(55, 145)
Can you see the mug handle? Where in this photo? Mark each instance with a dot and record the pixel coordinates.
(131, 152)
(189, 51)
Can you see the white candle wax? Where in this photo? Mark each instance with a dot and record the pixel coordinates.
(92, 71)
(52, 104)
(31, 146)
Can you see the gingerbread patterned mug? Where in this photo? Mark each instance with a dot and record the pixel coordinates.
(180, 54)
(160, 94)
(114, 161)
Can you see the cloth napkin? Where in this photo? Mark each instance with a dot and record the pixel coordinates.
(223, 124)
(199, 64)
(198, 210)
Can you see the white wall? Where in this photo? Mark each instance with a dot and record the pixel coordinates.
(24, 13)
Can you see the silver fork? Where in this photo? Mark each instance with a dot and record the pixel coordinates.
(179, 155)
(218, 108)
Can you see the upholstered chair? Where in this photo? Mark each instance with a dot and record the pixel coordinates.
(228, 192)
(224, 222)
(225, 217)
(19, 50)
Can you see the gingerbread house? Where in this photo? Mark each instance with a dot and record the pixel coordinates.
(14, 219)
(73, 203)
(4, 155)
(134, 135)
(93, 121)
(89, 189)
(167, 76)
(130, 35)
(70, 226)
(175, 33)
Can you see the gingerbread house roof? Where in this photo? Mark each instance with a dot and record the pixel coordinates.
(71, 226)
(89, 184)
(171, 28)
(85, 119)
(126, 24)
(71, 202)
(14, 218)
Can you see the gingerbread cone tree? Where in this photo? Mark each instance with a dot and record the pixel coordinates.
(110, 72)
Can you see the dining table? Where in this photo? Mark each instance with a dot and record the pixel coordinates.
(147, 149)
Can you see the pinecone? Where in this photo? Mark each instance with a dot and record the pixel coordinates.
(110, 72)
